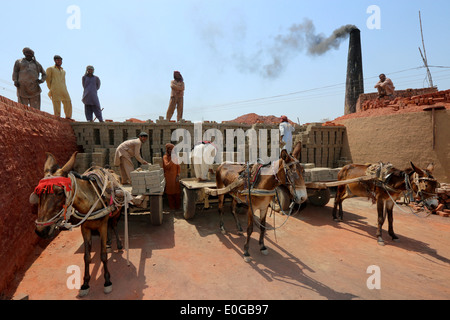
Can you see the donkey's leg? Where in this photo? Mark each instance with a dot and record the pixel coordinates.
(337, 203)
(220, 209)
(84, 290)
(262, 247)
(381, 218)
(389, 209)
(107, 287)
(112, 228)
(236, 220)
(249, 234)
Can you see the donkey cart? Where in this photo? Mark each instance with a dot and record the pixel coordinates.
(204, 193)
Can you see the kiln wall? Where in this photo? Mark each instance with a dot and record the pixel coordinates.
(399, 139)
(26, 135)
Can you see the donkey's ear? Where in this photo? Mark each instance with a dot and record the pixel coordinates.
(50, 163)
(430, 167)
(69, 165)
(284, 155)
(415, 169)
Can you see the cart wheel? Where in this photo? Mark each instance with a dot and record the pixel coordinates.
(320, 197)
(156, 210)
(189, 203)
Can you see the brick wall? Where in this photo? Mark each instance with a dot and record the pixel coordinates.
(25, 135)
(321, 144)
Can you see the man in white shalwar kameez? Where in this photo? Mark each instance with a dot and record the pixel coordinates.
(203, 157)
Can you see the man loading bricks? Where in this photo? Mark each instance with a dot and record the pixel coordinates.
(56, 83)
(124, 154)
(385, 87)
(286, 130)
(176, 96)
(26, 79)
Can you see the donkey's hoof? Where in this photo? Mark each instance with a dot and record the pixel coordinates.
(265, 251)
(83, 292)
(396, 239)
(381, 242)
(223, 231)
(108, 249)
(247, 258)
(107, 289)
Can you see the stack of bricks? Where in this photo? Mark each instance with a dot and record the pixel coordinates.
(82, 162)
(443, 193)
(321, 174)
(148, 180)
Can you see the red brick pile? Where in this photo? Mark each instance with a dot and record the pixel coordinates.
(443, 193)
(252, 118)
(405, 102)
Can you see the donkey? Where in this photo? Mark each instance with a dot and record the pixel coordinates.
(385, 192)
(285, 171)
(61, 190)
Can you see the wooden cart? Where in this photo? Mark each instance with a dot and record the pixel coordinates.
(196, 192)
(152, 202)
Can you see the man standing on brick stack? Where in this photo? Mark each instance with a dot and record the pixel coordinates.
(56, 83)
(176, 96)
(172, 172)
(385, 87)
(124, 154)
(26, 79)
(286, 130)
(91, 84)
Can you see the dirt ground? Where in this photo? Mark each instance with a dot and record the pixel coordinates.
(310, 257)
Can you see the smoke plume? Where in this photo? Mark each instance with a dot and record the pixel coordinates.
(271, 60)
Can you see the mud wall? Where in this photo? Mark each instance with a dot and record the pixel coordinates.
(25, 135)
(399, 139)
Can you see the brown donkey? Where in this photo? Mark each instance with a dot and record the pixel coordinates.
(64, 197)
(384, 191)
(285, 171)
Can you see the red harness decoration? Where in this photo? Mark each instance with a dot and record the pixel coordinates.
(46, 185)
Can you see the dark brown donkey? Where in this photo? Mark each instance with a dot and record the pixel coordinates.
(285, 171)
(64, 198)
(413, 181)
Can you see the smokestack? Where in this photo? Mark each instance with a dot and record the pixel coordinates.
(355, 79)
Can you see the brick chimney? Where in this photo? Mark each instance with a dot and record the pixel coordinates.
(355, 79)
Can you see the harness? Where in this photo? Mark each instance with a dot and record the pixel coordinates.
(103, 179)
(290, 177)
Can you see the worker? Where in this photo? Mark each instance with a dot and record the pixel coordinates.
(203, 157)
(172, 172)
(385, 87)
(176, 96)
(56, 83)
(26, 78)
(124, 154)
(91, 84)
(286, 130)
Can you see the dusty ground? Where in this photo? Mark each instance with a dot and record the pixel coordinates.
(310, 257)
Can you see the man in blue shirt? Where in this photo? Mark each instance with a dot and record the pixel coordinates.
(91, 84)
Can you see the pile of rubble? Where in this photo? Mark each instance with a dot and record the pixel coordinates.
(405, 102)
(443, 193)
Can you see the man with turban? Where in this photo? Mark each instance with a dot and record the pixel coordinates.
(26, 79)
(172, 172)
(56, 83)
(176, 96)
(124, 154)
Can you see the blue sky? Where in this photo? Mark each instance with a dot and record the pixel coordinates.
(221, 48)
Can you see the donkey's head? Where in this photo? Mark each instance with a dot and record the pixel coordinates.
(293, 172)
(424, 185)
(50, 195)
